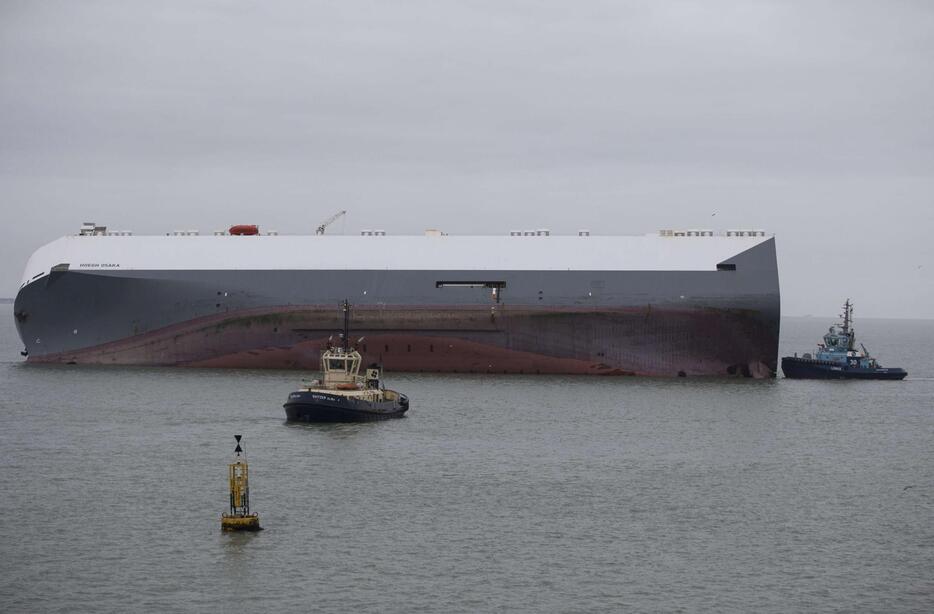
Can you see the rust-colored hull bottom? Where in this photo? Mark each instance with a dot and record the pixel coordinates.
(630, 341)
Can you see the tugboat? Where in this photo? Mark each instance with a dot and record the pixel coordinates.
(342, 394)
(838, 358)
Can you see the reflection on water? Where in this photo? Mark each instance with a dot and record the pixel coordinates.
(336, 430)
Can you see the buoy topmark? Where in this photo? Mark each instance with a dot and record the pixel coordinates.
(239, 518)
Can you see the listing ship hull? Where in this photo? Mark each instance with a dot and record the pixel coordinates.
(805, 368)
(659, 323)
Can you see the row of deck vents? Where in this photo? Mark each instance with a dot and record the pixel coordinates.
(217, 233)
(667, 232)
(542, 232)
(432, 232)
(224, 233)
(90, 229)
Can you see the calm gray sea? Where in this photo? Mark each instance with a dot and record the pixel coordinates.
(508, 493)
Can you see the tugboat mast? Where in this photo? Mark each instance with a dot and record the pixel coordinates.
(345, 306)
(847, 316)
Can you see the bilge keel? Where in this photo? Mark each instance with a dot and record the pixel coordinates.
(673, 303)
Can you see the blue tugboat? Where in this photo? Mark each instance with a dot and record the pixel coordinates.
(342, 394)
(838, 358)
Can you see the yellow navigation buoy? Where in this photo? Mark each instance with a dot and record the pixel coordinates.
(239, 518)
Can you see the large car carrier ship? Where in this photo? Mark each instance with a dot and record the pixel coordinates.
(673, 303)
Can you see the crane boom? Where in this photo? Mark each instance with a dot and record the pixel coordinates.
(328, 222)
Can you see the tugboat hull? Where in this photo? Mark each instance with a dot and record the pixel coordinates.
(314, 406)
(804, 368)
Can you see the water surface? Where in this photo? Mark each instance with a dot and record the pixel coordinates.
(520, 493)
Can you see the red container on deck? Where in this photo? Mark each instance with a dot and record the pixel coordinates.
(244, 229)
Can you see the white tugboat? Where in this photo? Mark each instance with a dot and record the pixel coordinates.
(342, 394)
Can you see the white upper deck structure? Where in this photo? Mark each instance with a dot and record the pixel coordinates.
(667, 250)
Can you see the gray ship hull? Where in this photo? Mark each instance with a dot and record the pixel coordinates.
(668, 323)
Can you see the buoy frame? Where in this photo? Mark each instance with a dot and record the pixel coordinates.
(238, 474)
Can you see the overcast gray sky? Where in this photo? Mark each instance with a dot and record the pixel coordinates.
(813, 120)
